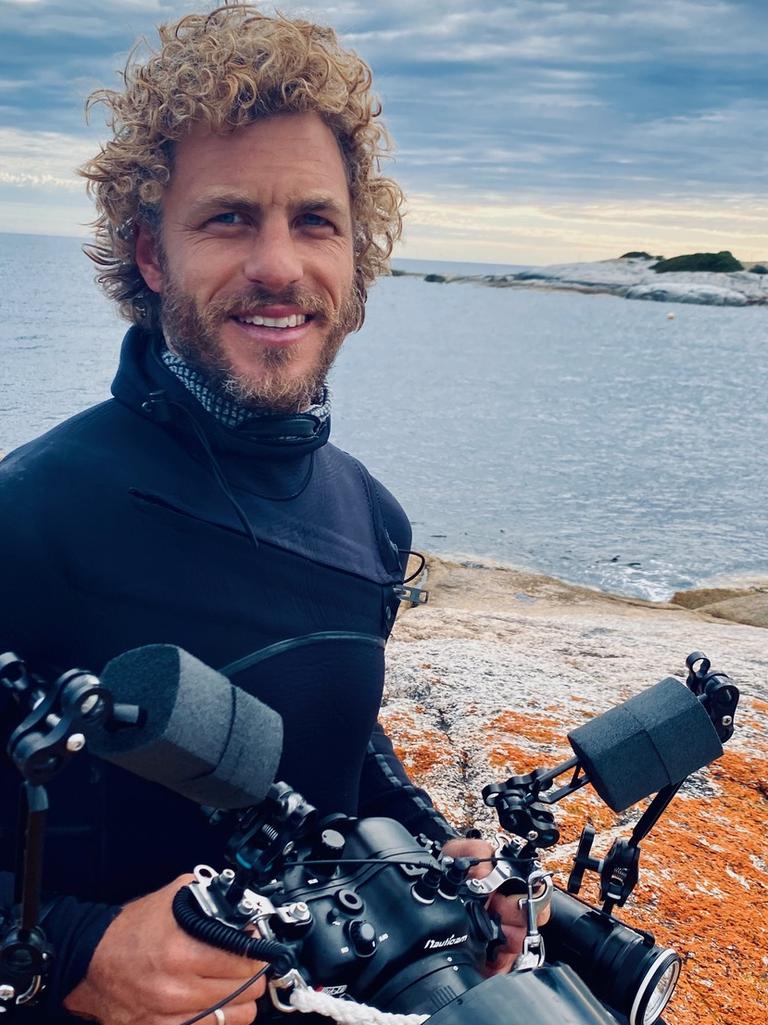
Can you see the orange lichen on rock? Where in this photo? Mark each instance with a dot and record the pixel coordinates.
(551, 665)
(548, 730)
(510, 747)
(710, 880)
(751, 770)
(509, 757)
(420, 748)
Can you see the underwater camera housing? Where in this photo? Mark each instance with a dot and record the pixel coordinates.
(360, 910)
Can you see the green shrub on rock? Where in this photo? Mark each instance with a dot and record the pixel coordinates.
(636, 256)
(722, 262)
(759, 268)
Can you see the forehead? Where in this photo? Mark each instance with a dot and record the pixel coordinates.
(288, 157)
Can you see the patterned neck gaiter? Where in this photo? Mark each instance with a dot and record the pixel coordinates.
(224, 408)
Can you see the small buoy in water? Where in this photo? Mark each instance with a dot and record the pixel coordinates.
(670, 316)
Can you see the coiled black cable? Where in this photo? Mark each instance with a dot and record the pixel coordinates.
(193, 920)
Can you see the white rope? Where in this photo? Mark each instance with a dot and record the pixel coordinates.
(346, 1012)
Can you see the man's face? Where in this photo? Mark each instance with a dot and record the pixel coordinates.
(254, 262)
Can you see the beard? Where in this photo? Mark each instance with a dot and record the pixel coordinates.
(194, 333)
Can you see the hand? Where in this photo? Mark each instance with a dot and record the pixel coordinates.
(147, 971)
(513, 919)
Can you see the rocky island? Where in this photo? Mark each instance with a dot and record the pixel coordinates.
(639, 276)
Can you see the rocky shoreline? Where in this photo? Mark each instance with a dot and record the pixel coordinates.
(631, 278)
(486, 680)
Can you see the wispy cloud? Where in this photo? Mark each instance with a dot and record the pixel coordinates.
(499, 231)
(42, 158)
(571, 106)
(44, 180)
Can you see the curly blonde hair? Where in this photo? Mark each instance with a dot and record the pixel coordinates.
(223, 70)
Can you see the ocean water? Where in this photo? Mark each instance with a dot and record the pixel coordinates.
(585, 436)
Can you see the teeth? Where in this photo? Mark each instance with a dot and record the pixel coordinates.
(295, 320)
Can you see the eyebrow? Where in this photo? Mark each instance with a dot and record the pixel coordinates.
(241, 202)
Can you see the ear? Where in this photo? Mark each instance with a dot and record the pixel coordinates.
(147, 259)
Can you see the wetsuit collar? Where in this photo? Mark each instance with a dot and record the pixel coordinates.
(146, 385)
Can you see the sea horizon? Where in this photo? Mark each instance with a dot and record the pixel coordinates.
(483, 267)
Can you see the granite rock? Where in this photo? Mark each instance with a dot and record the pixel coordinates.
(486, 680)
(744, 605)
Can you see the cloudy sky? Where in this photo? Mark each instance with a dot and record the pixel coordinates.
(527, 131)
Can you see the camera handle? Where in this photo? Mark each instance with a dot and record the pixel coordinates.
(51, 733)
(619, 869)
(24, 952)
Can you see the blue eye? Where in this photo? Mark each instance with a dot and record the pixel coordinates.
(315, 220)
(231, 217)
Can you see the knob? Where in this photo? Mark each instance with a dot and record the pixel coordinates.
(328, 848)
(362, 937)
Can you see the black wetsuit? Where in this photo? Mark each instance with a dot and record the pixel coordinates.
(124, 527)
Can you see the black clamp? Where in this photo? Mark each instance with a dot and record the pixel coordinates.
(716, 691)
(524, 810)
(618, 870)
(266, 834)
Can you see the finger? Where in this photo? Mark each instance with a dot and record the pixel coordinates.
(186, 1000)
(503, 963)
(232, 968)
(509, 911)
(229, 1014)
(210, 963)
(215, 990)
(465, 847)
(251, 993)
(513, 938)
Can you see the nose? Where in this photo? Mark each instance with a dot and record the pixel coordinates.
(273, 260)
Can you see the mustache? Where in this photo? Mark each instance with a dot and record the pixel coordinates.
(250, 303)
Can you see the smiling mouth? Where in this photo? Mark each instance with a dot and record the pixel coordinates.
(294, 320)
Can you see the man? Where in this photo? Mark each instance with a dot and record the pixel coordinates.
(241, 218)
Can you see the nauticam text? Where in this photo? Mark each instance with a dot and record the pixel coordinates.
(452, 941)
